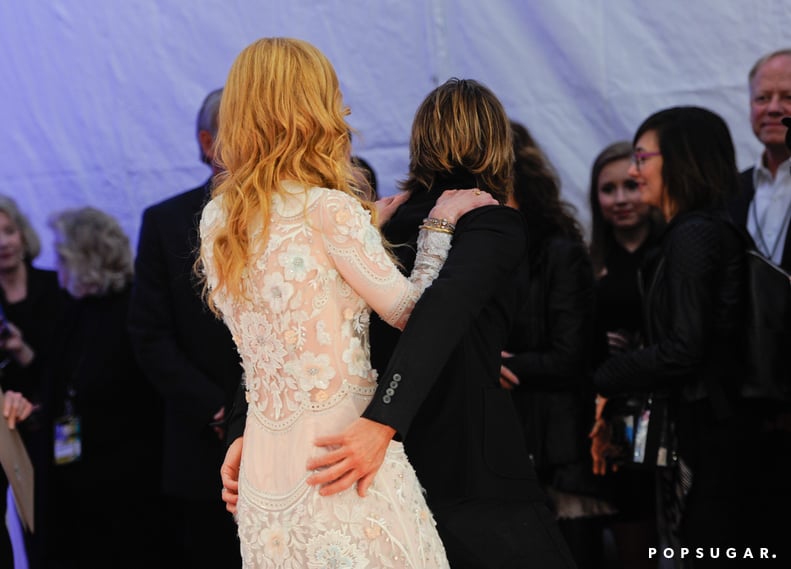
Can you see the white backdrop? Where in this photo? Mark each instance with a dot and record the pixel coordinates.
(98, 99)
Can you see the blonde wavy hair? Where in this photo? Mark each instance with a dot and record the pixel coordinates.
(282, 117)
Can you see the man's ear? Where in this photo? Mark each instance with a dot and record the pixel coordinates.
(206, 141)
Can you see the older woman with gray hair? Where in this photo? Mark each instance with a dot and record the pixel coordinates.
(94, 255)
(106, 418)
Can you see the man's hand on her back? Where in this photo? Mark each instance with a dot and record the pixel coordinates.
(354, 456)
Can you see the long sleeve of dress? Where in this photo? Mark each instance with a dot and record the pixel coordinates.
(361, 258)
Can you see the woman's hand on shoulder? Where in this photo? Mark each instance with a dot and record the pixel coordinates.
(386, 207)
(452, 204)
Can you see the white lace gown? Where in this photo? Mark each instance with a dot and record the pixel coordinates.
(302, 333)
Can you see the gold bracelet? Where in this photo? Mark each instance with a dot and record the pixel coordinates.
(434, 224)
(440, 230)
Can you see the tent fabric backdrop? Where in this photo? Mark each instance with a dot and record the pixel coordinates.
(99, 98)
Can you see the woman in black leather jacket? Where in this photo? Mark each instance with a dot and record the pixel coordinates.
(694, 307)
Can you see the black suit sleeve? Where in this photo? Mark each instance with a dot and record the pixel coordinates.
(152, 326)
(487, 249)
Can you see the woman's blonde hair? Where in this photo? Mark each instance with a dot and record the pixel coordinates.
(461, 126)
(94, 249)
(281, 118)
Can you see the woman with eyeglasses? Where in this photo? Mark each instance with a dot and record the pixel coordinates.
(623, 230)
(691, 358)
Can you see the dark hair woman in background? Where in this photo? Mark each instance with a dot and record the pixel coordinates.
(694, 302)
(547, 359)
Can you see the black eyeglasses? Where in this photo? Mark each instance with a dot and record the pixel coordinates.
(639, 157)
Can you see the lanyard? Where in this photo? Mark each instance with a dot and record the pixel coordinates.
(764, 246)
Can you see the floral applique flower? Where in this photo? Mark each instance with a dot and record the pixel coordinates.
(297, 262)
(311, 371)
(277, 291)
(333, 549)
(275, 540)
(260, 343)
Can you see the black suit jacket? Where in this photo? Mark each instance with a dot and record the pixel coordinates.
(182, 347)
(461, 430)
(739, 208)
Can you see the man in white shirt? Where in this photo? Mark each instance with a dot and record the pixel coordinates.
(764, 206)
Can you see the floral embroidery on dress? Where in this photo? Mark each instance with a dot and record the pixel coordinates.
(301, 329)
(303, 529)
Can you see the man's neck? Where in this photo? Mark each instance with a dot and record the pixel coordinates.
(774, 156)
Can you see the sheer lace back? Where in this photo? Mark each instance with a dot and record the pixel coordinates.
(302, 328)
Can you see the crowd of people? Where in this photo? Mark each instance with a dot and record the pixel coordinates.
(293, 372)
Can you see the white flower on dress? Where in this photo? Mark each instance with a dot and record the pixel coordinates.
(297, 262)
(261, 343)
(335, 550)
(356, 358)
(276, 544)
(311, 371)
(277, 291)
